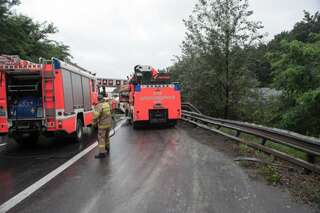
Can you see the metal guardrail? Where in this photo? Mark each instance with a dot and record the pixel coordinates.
(311, 146)
(189, 107)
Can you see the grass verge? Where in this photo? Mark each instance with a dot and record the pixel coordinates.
(282, 148)
(304, 187)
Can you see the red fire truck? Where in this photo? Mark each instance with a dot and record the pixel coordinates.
(153, 98)
(46, 98)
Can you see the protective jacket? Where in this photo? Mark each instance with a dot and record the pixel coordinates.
(102, 115)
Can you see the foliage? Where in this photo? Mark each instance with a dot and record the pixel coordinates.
(227, 72)
(296, 66)
(261, 107)
(5, 6)
(270, 174)
(244, 149)
(219, 32)
(303, 29)
(21, 35)
(259, 65)
(296, 71)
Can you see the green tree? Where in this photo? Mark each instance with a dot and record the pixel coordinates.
(303, 29)
(21, 35)
(259, 65)
(218, 34)
(296, 72)
(6, 5)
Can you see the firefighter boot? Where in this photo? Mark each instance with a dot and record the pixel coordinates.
(100, 156)
(108, 149)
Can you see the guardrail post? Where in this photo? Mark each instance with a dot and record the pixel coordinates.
(218, 127)
(238, 133)
(264, 141)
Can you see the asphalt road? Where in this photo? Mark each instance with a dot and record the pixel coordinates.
(22, 166)
(149, 170)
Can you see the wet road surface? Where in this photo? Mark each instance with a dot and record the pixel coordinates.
(153, 170)
(22, 166)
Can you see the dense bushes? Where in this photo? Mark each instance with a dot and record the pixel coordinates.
(227, 71)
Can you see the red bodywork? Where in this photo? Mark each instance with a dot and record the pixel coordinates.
(154, 103)
(3, 104)
(55, 78)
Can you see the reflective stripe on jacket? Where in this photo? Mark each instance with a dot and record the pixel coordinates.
(103, 115)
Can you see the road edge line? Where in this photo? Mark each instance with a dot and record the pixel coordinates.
(15, 200)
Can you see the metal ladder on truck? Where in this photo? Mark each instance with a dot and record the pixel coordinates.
(49, 102)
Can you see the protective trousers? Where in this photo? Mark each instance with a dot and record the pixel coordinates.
(103, 139)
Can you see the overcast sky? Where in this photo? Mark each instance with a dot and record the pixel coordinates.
(110, 37)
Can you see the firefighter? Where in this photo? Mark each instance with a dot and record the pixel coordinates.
(103, 118)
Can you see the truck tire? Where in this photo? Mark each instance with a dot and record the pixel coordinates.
(135, 125)
(172, 123)
(78, 134)
(130, 119)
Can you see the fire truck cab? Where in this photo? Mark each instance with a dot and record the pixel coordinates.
(45, 98)
(153, 98)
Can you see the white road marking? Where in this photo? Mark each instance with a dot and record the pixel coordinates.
(3, 144)
(37, 185)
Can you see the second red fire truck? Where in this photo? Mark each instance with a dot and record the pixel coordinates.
(46, 98)
(153, 98)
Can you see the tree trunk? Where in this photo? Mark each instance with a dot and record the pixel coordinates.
(227, 88)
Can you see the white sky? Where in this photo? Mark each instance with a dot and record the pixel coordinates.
(110, 37)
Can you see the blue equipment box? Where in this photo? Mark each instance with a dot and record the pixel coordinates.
(26, 107)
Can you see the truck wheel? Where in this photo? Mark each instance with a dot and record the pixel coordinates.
(78, 135)
(130, 119)
(19, 140)
(172, 123)
(135, 125)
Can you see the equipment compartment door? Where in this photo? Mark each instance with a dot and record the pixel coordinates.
(3, 104)
(24, 94)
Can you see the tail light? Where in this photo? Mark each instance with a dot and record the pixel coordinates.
(60, 124)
